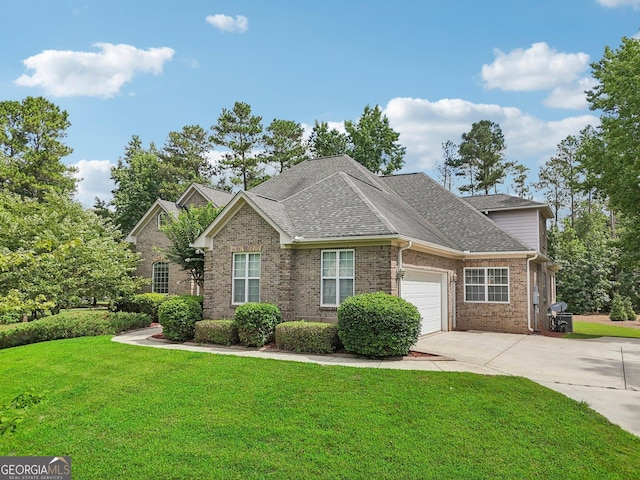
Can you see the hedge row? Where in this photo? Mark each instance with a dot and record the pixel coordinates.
(374, 325)
(149, 303)
(65, 325)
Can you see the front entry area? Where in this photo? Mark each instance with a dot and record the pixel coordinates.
(427, 291)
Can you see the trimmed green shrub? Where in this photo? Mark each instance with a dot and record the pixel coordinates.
(149, 303)
(66, 325)
(628, 308)
(307, 337)
(220, 332)
(618, 312)
(378, 325)
(199, 299)
(178, 317)
(256, 323)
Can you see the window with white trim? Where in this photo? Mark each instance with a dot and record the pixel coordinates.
(160, 278)
(246, 278)
(337, 276)
(490, 285)
(162, 219)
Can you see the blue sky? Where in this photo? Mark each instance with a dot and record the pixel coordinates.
(142, 67)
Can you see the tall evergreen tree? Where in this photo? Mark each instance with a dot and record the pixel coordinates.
(31, 148)
(284, 146)
(184, 160)
(242, 133)
(481, 158)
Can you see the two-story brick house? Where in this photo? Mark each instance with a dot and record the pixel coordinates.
(328, 228)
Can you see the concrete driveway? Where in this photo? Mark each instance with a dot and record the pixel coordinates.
(603, 372)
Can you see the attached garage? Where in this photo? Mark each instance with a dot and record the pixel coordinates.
(427, 291)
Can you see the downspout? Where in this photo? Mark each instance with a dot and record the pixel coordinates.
(529, 305)
(400, 270)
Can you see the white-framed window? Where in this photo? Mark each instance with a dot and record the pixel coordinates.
(160, 278)
(246, 278)
(490, 285)
(162, 219)
(337, 276)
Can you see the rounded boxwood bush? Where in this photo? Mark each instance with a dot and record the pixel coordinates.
(256, 323)
(220, 332)
(178, 317)
(378, 325)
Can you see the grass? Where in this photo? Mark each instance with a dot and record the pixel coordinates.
(128, 412)
(594, 330)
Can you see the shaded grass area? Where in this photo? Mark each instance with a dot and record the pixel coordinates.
(593, 330)
(128, 412)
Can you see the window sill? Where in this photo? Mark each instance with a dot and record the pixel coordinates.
(329, 307)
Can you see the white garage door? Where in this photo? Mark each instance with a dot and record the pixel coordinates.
(424, 290)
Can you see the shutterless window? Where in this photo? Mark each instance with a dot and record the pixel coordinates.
(160, 279)
(162, 219)
(246, 277)
(486, 285)
(337, 276)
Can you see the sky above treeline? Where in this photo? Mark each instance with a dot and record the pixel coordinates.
(121, 68)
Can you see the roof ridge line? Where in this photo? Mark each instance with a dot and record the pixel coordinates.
(348, 178)
(308, 186)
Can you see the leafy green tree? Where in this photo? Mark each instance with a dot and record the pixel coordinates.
(587, 259)
(284, 144)
(138, 183)
(242, 133)
(373, 143)
(481, 158)
(326, 142)
(182, 232)
(31, 148)
(615, 169)
(53, 253)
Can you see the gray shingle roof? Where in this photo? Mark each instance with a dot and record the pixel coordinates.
(463, 225)
(219, 197)
(501, 201)
(170, 207)
(336, 197)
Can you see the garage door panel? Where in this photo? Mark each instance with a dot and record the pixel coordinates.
(424, 290)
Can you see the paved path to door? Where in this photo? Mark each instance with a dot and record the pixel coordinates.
(604, 372)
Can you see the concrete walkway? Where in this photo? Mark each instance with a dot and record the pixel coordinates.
(604, 372)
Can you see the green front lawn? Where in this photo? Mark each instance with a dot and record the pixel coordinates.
(590, 330)
(130, 412)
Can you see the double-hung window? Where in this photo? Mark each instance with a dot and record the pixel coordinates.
(160, 278)
(337, 283)
(490, 285)
(246, 277)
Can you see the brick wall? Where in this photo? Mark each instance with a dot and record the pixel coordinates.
(495, 317)
(372, 274)
(245, 232)
(148, 238)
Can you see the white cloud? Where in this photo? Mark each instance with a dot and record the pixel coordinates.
(225, 23)
(95, 181)
(66, 73)
(619, 3)
(536, 68)
(571, 96)
(425, 125)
